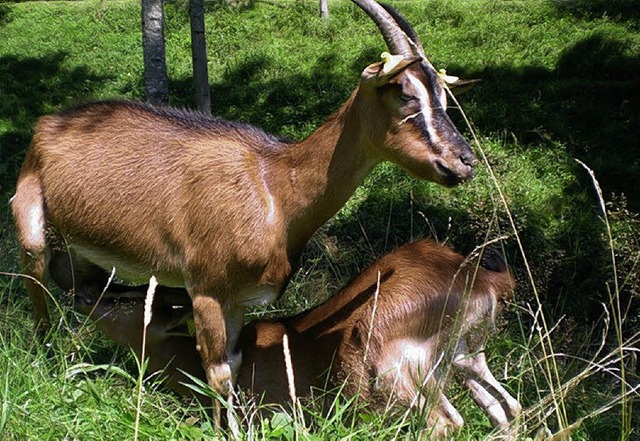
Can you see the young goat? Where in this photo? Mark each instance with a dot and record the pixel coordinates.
(393, 333)
(221, 208)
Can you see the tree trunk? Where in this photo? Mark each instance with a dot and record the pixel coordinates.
(199, 56)
(155, 63)
(324, 9)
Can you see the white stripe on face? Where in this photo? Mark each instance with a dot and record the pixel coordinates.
(425, 108)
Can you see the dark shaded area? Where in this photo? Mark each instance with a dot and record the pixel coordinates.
(590, 102)
(4, 15)
(29, 88)
(619, 10)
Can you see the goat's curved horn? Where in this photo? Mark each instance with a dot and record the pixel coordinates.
(406, 27)
(393, 35)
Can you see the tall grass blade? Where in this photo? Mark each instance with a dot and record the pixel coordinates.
(614, 300)
(6, 406)
(84, 368)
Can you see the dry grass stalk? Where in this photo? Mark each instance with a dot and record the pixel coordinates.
(614, 300)
(550, 367)
(148, 302)
(373, 314)
(297, 409)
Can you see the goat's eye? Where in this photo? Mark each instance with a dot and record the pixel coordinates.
(405, 98)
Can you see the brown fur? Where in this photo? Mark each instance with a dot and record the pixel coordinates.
(427, 295)
(220, 208)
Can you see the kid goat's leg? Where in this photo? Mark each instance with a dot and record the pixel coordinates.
(442, 420)
(500, 406)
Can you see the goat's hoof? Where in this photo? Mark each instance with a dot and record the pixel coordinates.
(220, 378)
(514, 409)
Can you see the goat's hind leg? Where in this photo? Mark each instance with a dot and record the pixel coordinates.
(29, 215)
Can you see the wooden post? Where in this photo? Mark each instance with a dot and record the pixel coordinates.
(199, 56)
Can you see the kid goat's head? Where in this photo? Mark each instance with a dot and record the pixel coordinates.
(404, 102)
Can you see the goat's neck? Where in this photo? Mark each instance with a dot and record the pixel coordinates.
(318, 175)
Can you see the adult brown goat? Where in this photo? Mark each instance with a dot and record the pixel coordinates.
(394, 333)
(221, 208)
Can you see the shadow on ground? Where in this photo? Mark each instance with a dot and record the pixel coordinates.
(590, 103)
(29, 88)
(619, 10)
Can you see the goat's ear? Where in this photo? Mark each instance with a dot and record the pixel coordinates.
(493, 260)
(455, 84)
(378, 74)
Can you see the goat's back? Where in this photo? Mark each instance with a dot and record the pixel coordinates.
(163, 171)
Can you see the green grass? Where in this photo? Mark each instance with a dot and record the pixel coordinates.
(560, 81)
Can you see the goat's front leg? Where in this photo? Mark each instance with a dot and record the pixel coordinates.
(217, 333)
(211, 340)
(211, 343)
(442, 420)
(500, 406)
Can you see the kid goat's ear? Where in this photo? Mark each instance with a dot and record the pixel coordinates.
(379, 73)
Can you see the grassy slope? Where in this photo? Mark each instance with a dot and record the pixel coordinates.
(559, 81)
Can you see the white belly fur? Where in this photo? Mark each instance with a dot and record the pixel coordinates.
(126, 269)
(258, 296)
(135, 273)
